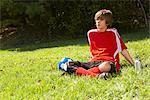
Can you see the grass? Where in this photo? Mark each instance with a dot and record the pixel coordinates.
(30, 73)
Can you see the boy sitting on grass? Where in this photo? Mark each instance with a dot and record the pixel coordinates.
(105, 46)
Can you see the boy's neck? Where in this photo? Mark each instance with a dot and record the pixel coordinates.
(102, 29)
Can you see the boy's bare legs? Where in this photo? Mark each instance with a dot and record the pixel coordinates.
(104, 67)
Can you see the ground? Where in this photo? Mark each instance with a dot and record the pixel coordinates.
(30, 72)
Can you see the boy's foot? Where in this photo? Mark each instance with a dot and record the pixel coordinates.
(103, 75)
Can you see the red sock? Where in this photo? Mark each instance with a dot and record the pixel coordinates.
(95, 70)
(81, 71)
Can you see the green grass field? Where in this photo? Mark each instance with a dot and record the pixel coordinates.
(30, 73)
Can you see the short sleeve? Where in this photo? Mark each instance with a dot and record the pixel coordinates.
(123, 46)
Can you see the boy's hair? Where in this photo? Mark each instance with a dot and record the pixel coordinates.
(104, 14)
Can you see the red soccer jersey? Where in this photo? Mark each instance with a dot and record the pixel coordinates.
(105, 46)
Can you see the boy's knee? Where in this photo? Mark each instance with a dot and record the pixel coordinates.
(105, 66)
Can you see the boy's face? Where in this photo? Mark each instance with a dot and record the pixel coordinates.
(101, 23)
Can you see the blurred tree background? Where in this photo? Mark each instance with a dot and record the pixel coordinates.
(36, 21)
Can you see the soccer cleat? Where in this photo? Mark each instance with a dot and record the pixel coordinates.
(103, 76)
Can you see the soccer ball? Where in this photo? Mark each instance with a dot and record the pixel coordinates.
(62, 65)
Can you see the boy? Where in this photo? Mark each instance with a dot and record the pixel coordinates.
(105, 46)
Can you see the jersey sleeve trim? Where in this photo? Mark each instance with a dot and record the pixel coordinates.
(88, 34)
(119, 49)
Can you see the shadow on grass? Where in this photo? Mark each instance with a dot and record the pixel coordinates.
(51, 44)
(135, 36)
(132, 36)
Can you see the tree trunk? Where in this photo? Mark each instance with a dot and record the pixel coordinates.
(143, 11)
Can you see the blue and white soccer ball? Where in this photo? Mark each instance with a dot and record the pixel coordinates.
(62, 65)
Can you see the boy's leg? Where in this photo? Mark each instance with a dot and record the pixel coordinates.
(83, 72)
(89, 65)
(88, 69)
(105, 66)
(95, 70)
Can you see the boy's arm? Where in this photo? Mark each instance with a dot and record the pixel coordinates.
(127, 56)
